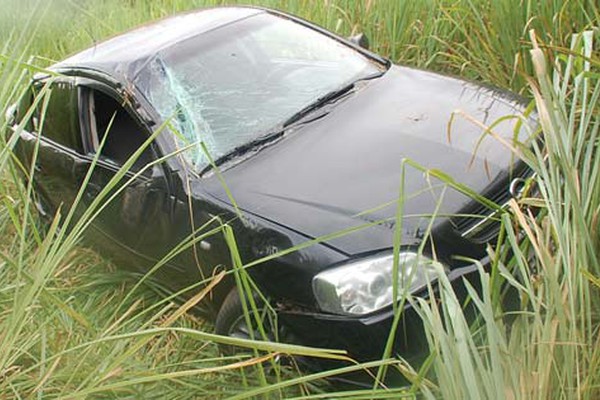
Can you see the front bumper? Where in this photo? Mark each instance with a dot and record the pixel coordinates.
(364, 338)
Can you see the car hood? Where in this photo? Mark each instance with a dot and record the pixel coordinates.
(346, 170)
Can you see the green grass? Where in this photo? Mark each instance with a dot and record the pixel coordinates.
(74, 325)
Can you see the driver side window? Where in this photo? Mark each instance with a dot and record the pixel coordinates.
(113, 131)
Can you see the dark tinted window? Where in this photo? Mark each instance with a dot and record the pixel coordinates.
(61, 120)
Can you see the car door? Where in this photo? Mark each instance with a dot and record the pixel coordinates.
(86, 124)
(150, 217)
(136, 206)
(52, 141)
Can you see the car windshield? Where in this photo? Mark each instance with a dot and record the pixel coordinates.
(235, 84)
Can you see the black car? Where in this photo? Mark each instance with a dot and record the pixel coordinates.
(291, 136)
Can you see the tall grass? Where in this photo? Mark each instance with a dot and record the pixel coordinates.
(73, 325)
(549, 348)
(483, 40)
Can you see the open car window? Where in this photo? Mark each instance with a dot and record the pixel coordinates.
(240, 81)
(108, 122)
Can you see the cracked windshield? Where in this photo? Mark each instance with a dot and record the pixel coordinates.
(235, 85)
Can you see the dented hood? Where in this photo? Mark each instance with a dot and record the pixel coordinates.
(346, 169)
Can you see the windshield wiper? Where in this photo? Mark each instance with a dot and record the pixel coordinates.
(245, 148)
(280, 129)
(329, 98)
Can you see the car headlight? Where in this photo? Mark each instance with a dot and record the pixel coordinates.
(366, 285)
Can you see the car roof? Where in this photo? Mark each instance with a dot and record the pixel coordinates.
(124, 55)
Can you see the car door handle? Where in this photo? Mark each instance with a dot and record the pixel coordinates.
(92, 190)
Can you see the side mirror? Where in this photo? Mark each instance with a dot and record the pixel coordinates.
(10, 116)
(360, 40)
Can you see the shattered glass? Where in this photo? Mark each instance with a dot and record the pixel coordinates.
(236, 83)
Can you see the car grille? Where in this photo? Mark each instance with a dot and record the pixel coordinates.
(480, 223)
